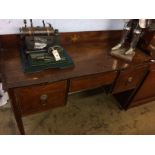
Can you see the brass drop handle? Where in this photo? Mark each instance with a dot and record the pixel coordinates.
(44, 99)
(130, 79)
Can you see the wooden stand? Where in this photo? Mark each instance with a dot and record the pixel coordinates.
(120, 54)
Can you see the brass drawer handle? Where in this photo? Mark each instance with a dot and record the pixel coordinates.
(43, 99)
(130, 79)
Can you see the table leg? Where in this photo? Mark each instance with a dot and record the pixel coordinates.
(17, 112)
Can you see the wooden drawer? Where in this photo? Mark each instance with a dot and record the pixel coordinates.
(146, 92)
(92, 81)
(35, 99)
(129, 79)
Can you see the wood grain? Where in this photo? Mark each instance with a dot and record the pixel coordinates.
(93, 81)
(130, 78)
(89, 58)
(146, 92)
(39, 98)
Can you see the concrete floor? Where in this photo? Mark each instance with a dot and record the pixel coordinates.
(87, 113)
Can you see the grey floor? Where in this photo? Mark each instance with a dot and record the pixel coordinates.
(86, 113)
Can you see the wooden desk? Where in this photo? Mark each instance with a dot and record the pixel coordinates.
(94, 67)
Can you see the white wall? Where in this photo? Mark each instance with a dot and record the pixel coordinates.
(11, 26)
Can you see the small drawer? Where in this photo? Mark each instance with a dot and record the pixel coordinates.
(129, 79)
(92, 81)
(35, 99)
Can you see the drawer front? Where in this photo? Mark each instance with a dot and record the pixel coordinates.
(129, 79)
(146, 92)
(92, 81)
(35, 99)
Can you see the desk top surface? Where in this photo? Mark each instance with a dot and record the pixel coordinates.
(89, 58)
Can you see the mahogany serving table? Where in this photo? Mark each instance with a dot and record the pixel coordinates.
(36, 92)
